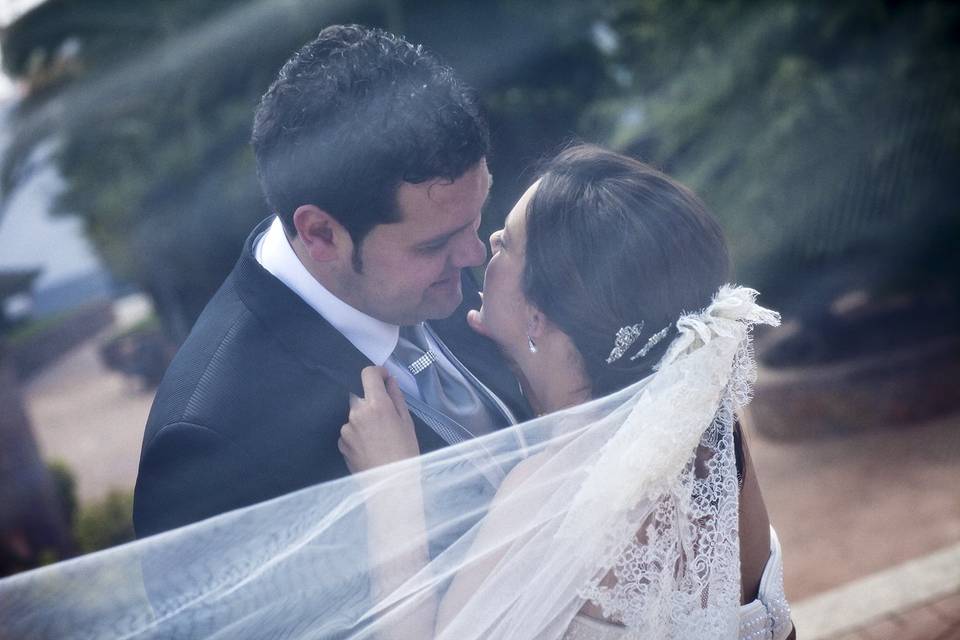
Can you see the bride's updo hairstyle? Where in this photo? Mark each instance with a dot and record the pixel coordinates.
(612, 242)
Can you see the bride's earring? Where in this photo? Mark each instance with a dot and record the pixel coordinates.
(532, 328)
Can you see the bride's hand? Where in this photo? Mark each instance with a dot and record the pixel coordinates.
(379, 428)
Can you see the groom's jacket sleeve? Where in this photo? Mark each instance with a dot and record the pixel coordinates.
(235, 421)
(238, 448)
(188, 473)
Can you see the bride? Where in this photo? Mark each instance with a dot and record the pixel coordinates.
(629, 508)
(594, 266)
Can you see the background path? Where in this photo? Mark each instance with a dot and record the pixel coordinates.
(850, 506)
(90, 418)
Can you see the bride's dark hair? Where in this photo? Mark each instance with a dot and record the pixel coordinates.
(613, 242)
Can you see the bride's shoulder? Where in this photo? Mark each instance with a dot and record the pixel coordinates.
(523, 471)
(515, 497)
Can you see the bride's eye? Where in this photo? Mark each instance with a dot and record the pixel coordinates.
(496, 241)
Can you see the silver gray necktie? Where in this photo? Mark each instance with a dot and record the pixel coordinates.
(446, 391)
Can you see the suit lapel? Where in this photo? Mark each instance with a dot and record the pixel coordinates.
(304, 333)
(296, 327)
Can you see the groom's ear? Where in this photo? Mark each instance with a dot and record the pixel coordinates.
(324, 238)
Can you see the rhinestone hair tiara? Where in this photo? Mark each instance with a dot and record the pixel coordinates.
(628, 335)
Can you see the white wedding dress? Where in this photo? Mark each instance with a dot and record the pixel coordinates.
(640, 485)
(766, 618)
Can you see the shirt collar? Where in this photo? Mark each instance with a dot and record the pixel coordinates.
(373, 338)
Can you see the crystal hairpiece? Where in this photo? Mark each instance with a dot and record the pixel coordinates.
(627, 335)
(651, 343)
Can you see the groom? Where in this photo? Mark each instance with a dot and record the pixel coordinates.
(371, 154)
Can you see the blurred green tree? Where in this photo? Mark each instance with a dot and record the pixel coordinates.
(32, 523)
(147, 108)
(106, 523)
(826, 135)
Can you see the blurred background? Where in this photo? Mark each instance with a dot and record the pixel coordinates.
(825, 135)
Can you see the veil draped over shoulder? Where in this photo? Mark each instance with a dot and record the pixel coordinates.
(628, 501)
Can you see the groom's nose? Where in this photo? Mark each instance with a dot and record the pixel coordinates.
(471, 252)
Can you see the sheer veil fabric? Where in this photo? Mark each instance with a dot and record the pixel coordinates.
(629, 501)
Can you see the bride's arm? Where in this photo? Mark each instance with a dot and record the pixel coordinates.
(502, 516)
(380, 431)
(396, 537)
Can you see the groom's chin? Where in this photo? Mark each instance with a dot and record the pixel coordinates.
(442, 298)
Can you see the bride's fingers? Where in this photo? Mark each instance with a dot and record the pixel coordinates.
(373, 383)
(396, 395)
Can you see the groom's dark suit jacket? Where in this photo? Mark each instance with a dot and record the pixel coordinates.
(252, 404)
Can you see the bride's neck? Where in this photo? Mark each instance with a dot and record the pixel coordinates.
(553, 379)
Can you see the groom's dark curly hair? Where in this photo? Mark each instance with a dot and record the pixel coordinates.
(353, 114)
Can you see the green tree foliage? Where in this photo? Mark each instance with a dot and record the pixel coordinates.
(824, 134)
(152, 111)
(65, 487)
(150, 116)
(106, 523)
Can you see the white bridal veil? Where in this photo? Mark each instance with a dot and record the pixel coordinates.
(629, 501)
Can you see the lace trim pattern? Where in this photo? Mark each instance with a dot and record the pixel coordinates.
(674, 572)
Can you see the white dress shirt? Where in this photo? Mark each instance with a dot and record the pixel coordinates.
(373, 338)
